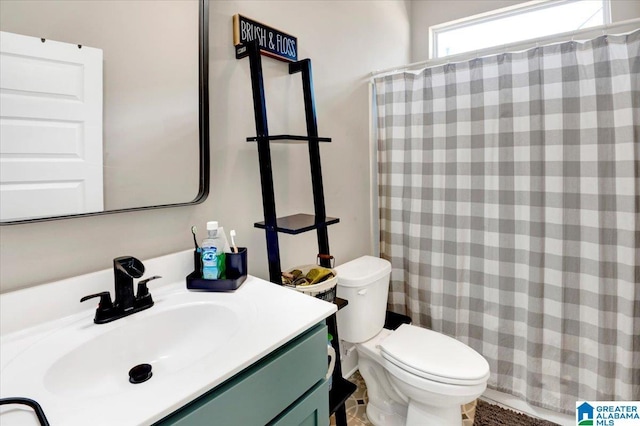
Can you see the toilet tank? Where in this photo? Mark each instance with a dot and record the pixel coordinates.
(364, 283)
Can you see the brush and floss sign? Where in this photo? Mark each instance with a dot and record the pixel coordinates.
(273, 43)
(607, 413)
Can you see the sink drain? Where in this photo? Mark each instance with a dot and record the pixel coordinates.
(140, 373)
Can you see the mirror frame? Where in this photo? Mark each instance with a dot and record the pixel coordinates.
(203, 119)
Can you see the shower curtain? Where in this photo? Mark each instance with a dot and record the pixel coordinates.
(509, 209)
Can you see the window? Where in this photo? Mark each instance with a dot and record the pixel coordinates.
(518, 23)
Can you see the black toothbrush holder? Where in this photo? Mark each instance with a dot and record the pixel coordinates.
(236, 274)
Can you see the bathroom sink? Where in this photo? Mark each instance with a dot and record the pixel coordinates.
(194, 341)
(91, 360)
(169, 341)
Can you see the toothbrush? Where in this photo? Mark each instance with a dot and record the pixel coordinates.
(233, 242)
(195, 242)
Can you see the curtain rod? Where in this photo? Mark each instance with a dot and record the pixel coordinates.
(521, 45)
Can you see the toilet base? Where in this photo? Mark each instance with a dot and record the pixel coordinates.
(419, 415)
(385, 407)
(380, 417)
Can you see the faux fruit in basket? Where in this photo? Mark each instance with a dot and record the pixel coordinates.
(314, 276)
(319, 274)
(288, 278)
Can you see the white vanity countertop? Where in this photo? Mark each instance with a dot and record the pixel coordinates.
(270, 316)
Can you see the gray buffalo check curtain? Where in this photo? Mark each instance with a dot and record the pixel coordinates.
(509, 209)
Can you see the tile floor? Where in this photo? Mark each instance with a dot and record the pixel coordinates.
(357, 404)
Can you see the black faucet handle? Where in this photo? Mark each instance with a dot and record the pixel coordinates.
(145, 281)
(143, 298)
(143, 290)
(104, 312)
(105, 300)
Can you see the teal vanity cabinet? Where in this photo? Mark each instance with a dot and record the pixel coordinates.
(285, 388)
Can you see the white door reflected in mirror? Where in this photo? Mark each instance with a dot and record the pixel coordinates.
(50, 128)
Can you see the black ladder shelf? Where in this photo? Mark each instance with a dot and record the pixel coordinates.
(298, 223)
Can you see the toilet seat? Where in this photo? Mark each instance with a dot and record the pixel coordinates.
(434, 356)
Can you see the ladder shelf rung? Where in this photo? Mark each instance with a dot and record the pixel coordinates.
(294, 138)
(299, 223)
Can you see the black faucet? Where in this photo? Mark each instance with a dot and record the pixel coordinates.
(125, 269)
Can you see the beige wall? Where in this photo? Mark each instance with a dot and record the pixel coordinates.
(622, 10)
(425, 13)
(344, 40)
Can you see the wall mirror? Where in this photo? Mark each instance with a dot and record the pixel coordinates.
(104, 107)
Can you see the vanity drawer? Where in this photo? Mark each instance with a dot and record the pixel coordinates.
(260, 393)
(310, 410)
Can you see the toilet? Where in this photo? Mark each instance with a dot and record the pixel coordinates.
(414, 376)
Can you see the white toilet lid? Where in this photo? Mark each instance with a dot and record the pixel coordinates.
(434, 356)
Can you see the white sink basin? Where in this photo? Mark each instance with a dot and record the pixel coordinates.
(169, 340)
(91, 360)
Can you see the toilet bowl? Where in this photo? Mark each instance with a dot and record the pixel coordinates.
(414, 376)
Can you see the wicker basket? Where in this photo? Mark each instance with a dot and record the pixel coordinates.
(325, 290)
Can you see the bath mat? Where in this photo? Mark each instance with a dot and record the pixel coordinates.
(492, 415)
